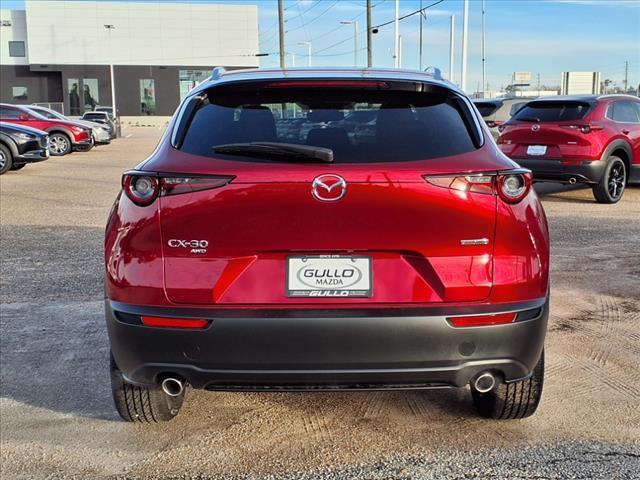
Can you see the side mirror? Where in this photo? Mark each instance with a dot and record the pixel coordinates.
(24, 117)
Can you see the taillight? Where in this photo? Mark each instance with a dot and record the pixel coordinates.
(166, 322)
(328, 83)
(144, 189)
(482, 320)
(511, 186)
(584, 128)
(141, 189)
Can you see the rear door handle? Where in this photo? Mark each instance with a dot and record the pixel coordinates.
(625, 131)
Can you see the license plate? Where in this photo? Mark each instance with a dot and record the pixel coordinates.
(536, 150)
(328, 276)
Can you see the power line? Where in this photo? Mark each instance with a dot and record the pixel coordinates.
(340, 26)
(315, 18)
(420, 10)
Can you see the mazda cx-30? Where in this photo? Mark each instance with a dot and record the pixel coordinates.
(409, 255)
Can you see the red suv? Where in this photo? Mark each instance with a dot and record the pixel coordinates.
(589, 139)
(64, 136)
(409, 255)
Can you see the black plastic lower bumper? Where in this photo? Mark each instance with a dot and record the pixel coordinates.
(557, 171)
(325, 349)
(32, 156)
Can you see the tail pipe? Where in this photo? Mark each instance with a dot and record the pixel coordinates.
(484, 382)
(572, 180)
(172, 386)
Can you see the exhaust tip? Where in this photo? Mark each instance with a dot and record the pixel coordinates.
(572, 180)
(485, 382)
(172, 387)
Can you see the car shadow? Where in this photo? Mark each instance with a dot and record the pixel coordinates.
(558, 192)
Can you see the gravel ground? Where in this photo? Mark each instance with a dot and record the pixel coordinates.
(57, 419)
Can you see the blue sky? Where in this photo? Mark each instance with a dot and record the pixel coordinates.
(543, 37)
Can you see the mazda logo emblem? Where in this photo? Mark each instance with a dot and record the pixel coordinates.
(329, 188)
(535, 127)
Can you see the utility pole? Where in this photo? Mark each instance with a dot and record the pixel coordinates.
(399, 51)
(396, 33)
(626, 75)
(451, 45)
(483, 56)
(281, 32)
(465, 34)
(369, 39)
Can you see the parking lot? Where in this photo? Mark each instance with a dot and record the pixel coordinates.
(58, 420)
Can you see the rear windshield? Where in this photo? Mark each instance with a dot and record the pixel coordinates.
(359, 125)
(98, 116)
(554, 111)
(486, 108)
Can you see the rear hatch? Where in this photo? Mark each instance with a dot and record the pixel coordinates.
(364, 229)
(548, 129)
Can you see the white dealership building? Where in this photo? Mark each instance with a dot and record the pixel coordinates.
(61, 52)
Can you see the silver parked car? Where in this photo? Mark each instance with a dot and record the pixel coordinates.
(496, 111)
(99, 132)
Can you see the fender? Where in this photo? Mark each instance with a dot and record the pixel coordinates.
(59, 129)
(10, 144)
(618, 144)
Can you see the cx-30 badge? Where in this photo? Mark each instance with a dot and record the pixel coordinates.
(329, 188)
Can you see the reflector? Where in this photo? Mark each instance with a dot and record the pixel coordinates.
(174, 322)
(482, 320)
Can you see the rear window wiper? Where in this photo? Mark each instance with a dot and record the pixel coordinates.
(285, 151)
(529, 119)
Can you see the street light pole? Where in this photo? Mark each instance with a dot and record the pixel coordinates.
(396, 34)
(355, 39)
(110, 27)
(451, 46)
(465, 34)
(308, 44)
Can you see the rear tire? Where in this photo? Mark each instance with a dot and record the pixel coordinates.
(512, 400)
(59, 144)
(18, 166)
(142, 404)
(611, 185)
(6, 159)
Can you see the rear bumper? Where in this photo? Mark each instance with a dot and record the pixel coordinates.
(325, 349)
(555, 171)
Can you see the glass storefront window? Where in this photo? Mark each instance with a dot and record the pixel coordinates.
(189, 79)
(147, 96)
(73, 85)
(90, 94)
(19, 93)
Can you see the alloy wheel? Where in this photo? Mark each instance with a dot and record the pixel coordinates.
(58, 144)
(616, 181)
(3, 159)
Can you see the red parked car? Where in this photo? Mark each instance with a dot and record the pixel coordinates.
(592, 139)
(410, 255)
(64, 136)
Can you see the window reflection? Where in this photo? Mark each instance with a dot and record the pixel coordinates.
(147, 96)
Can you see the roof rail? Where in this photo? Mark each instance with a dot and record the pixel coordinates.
(217, 72)
(434, 72)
